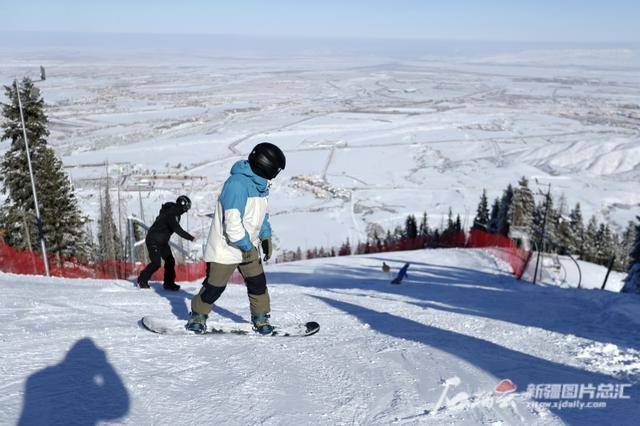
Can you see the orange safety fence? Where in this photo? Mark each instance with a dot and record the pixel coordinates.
(26, 262)
(502, 247)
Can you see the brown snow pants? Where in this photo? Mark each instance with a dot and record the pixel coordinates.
(215, 282)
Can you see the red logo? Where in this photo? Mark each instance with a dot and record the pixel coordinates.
(506, 386)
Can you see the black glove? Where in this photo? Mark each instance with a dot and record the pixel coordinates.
(250, 256)
(267, 248)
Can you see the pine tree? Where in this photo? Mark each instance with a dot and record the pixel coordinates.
(626, 246)
(590, 248)
(63, 223)
(538, 222)
(632, 281)
(450, 223)
(423, 229)
(504, 224)
(457, 225)
(481, 221)
(564, 233)
(493, 220)
(576, 226)
(604, 245)
(108, 238)
(411, 227)
(345, 249)
(523, 206)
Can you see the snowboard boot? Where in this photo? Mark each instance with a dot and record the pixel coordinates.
(261, 324)
(142, 284)
(197, 323)
(171, 286)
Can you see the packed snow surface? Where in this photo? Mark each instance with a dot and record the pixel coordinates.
(428, 351)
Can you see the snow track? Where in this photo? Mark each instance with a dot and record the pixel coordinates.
(381, 357)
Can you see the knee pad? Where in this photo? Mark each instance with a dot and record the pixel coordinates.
(211, 293)
(256, 285)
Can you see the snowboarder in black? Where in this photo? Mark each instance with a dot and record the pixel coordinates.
(157, 241)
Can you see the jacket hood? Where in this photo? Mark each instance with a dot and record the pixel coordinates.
(168, 207)
(242, 167)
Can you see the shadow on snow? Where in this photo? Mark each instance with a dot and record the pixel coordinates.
(499, 297)
(501, 362)
(83, 389)
(181, 300)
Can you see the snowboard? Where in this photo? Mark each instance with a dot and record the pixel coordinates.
(176, 328)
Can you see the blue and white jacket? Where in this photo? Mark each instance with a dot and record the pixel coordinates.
(241, 218)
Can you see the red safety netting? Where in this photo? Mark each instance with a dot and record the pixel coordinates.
(501, 247)
(27, 262)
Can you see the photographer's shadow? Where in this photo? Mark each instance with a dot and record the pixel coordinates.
(83, 389)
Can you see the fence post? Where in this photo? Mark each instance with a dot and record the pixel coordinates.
(609, 267)
(132, 245)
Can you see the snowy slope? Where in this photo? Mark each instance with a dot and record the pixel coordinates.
(382, 355)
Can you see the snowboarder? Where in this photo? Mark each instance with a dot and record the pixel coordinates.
(240, 224)
(157, 241)
(402, 274)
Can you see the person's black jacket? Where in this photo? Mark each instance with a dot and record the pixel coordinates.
(167, 222)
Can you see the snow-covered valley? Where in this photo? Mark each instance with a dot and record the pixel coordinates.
(369, 139)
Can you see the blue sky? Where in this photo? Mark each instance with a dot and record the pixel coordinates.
(495, 20)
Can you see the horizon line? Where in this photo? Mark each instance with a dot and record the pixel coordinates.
(326, 37)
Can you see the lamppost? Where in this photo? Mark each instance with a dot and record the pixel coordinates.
(33, 185)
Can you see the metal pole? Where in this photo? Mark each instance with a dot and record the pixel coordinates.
(132, 244)
(544, 225)
(609, 267)
(33, 185)
(579, 270)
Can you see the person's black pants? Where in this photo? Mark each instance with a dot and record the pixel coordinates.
(156, 252)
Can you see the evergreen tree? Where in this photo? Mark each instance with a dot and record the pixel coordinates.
(345, 249)
(398, 233)
(481, 221)
(538, 222)
(604, 245)
(564, 234)
(504, 213)
(576, 225)
(457, 225)
(450, 223)
(423, 229)
(627, 245)
(590, 248)
(523, 206)
(108, 238)
(411, 227)
(632, 281)
(62, 221)
(493, 220)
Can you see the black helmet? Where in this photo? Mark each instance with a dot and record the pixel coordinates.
(267, 160)
(184, 203)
